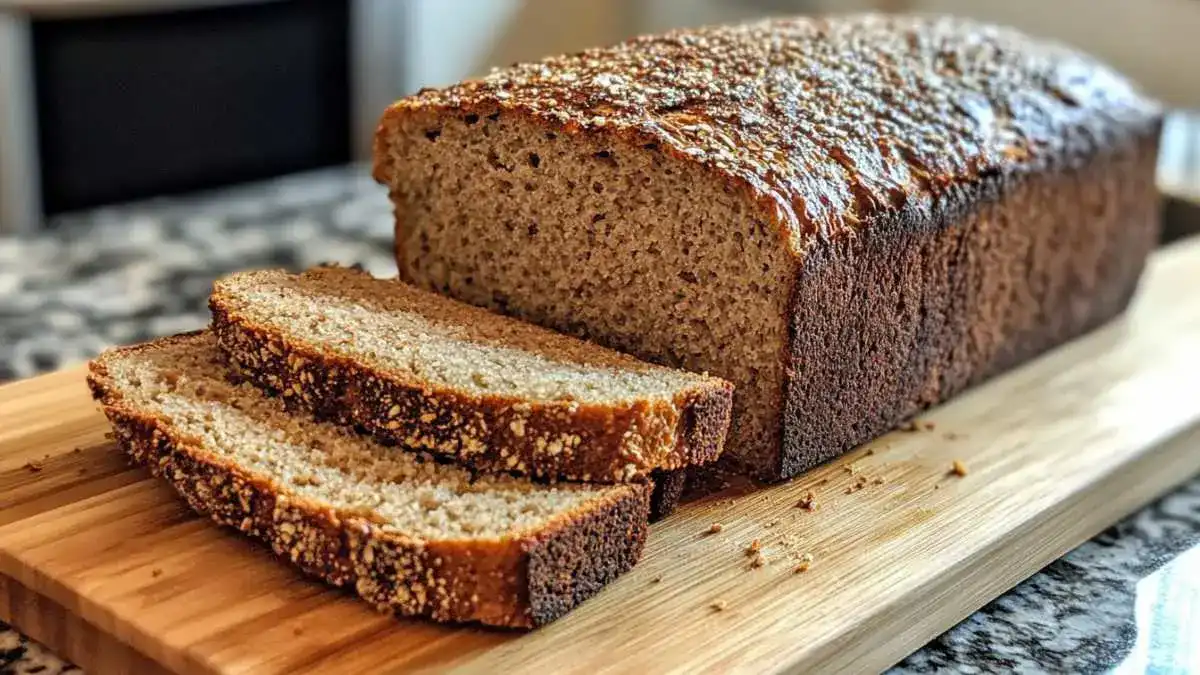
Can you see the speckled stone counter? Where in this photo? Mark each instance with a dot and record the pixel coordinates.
(126, 274)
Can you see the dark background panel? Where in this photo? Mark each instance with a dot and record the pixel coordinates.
(139, 105)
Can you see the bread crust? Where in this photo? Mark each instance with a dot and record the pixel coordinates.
(519, 582)
(911, 314)
(587, 442)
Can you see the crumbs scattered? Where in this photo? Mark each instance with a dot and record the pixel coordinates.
(930, 426)
(719, 606)
(909, 426)
(937, 486)
(656, 580)
(156, 572)
(297, 631)
(879, 480)
(758, 561)
(34, 466)
(870, 451)
(809, 503)
(823, 481)
(805, 563)
(859, 483)
(753, 548)
(958, 468)
(771, 523)
(850, 469)
(714, 528)
(77, 449)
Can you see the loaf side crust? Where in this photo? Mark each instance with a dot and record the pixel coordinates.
(911, 314)
(550, 440)
(519, 582)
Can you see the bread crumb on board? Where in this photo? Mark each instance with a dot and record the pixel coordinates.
(656, 579)
(958, 468)
(297, 631)
(33, 466)
(758, 561)
(156, 572)
(754, 547)
(929, 426)
(714, 528)
(909, 426)
(805, 563)
(809, 502)
(719, 606)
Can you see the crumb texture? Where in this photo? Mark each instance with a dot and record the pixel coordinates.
(442, 343)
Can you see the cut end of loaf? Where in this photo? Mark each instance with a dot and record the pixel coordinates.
(433, 374)
(410, 535)
(621, 244)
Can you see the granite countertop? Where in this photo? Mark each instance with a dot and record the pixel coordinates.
(126, 274)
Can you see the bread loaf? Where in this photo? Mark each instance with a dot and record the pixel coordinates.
(850, 218)
(433, 374)
(408, 534)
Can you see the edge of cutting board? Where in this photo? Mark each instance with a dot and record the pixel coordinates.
(1057, 450)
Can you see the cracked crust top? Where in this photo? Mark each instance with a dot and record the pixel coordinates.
(828, 123)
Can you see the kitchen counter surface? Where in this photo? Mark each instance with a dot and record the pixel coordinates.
(130, 273)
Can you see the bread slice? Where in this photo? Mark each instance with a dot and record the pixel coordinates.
(429, 373)
(405, 532)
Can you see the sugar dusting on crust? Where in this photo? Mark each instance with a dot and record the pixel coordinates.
(829, 122)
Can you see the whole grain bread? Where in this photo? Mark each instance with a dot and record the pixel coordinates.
(851, 218)
(406, 533)
(429, 373)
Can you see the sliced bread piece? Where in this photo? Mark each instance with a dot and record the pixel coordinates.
(407, 533)
(430, 373)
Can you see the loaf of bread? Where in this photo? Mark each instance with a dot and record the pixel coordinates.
(850, 218)
(406, 533)
(429, 373)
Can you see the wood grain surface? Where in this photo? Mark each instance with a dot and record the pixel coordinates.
(108, 567)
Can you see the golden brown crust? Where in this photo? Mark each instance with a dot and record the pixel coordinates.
(553, 439)
(518, 582)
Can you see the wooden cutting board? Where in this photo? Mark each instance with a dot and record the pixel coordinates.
(109, 568)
